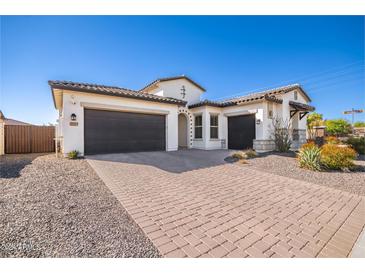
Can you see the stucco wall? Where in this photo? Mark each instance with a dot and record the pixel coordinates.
(223, 113)
(173, 89)
(302, 124)
(75, 102)
(283, 111)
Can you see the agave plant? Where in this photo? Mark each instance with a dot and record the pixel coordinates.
(310, 158)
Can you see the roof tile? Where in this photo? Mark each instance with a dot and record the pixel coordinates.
(113, 91)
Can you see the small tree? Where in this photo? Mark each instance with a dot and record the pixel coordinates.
(314, 119)
(359, 124)
(282, 132)
(338, 127)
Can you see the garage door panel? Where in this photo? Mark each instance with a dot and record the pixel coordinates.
(113, 132)
(241, 131)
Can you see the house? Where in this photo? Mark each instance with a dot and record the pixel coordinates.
(8, 121)
(168, 114)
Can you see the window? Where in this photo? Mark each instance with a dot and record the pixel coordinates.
(270, 113)
(198, 127)
(295, 95)
(213, 126)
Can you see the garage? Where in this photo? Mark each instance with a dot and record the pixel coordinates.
(241, 131)
(113, 132)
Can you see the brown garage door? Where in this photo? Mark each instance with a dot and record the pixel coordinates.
(113, 132)
(241, 131)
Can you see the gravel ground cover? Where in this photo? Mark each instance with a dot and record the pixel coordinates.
(55, 207)
(287, 165)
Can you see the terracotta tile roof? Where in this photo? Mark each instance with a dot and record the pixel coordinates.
(113, 91)
(212, 104)
(270, 92)
(268, 95)
(170, 79)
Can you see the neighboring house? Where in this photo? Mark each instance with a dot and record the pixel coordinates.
(168, 114)
(14, 122)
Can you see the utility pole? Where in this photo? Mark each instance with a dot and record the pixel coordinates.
(352, 112)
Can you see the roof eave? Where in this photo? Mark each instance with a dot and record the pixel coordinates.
(305, 94)
(60, 87)
(57, 102)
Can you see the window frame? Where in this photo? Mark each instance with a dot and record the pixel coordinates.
(198, 126)
(215, 115)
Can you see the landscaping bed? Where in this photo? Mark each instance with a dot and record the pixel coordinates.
(56, 207)
(285, 164)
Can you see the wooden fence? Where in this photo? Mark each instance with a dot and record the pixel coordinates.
(29, 139)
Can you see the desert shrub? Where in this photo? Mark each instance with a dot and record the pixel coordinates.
(308, 145)
(250, 153)
(332, 140)
(73, 154)
(282, 131)
(337, 157)
(240, 155)
(357, 143)
(309, 157)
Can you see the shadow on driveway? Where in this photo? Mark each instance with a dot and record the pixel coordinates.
(174, 161)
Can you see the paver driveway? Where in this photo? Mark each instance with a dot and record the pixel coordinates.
(190, 203)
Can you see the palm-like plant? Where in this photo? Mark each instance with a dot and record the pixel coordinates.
(310, 158)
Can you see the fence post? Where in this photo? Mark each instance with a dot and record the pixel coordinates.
(2, 136)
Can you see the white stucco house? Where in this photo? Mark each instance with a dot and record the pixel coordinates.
(168, 114)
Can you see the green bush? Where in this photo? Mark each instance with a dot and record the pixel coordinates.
(338, 127)
(308, 145)
(359, 124)
(357, 143)
(337, 157)
(73, 154)
(309, 157)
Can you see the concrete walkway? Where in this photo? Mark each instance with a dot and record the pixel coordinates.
(192, 204)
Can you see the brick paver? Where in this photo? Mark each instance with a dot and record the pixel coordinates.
(229, 210)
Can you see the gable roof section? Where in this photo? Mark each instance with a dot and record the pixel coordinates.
(270, 92)
(171, 79)
(268, 95)
(112, 91)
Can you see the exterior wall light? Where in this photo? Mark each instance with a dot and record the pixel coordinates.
(73, 117)
(258, 121)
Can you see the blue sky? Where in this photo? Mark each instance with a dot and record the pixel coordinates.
(228, 55)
